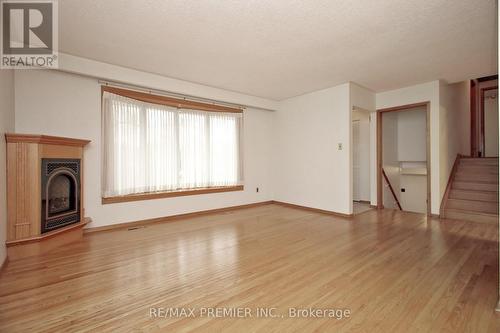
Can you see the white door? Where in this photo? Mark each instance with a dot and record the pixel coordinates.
(355, 161)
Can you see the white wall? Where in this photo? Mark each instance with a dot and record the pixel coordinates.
(426, 92)
(361, 167)
(462, 99)
(415, 195)
(6, 126)
(309, 169)
(412, 135)
(453, 114)
(63, 104)
(91, 68)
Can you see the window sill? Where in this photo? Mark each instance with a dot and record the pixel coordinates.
(169, 194)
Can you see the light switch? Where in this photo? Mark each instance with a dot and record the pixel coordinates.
(340, 145)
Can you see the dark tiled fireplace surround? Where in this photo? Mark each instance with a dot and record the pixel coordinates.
(60, 193)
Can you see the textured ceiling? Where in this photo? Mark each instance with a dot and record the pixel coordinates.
(278, 49)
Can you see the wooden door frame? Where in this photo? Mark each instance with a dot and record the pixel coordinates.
(380, 113)
(482, 137)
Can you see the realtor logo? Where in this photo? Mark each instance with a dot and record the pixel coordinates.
(29, 34)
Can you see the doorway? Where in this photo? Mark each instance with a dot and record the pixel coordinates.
(484, 116)
(489, 115)
(403, 158)
(361, 160)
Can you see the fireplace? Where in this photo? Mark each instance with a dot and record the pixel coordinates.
(60, 193)
(45, 206)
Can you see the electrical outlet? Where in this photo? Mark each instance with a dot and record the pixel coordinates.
(340, 146)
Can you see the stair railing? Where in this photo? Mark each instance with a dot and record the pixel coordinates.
(392, 190)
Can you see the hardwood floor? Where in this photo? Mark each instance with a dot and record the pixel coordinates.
(360, 207)
(394, 271)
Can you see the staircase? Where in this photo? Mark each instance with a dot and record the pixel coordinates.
(474, 191)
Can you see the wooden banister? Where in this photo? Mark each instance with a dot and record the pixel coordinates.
(392, 190)
(448, 185)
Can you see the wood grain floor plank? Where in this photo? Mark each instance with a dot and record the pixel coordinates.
(394, 271)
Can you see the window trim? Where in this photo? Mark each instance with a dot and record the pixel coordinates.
(169, 194)
(172, 102)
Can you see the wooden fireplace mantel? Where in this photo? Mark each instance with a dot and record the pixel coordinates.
(44, 139)
(25, 154)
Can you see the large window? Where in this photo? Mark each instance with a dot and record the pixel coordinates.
(154, 147)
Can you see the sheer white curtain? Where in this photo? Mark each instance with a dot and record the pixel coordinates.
(150, 147)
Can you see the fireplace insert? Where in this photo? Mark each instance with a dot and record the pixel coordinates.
(60, 193)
